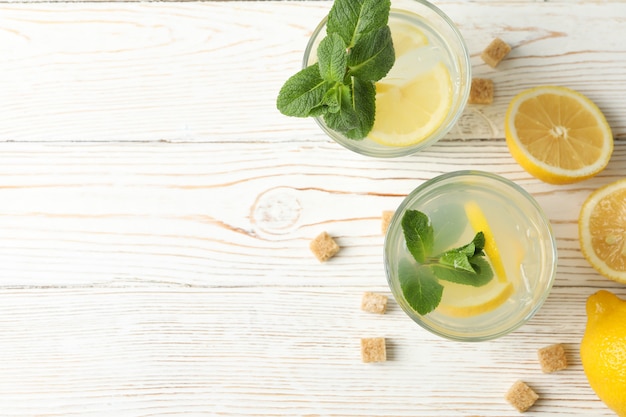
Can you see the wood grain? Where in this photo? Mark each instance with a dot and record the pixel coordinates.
(232, 351)
(156, 209)
(220, 215)
(210, 72)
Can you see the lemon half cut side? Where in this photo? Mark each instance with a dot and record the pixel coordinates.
(602, 230)
(557, 134)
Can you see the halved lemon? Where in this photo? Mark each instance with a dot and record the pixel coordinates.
(409, 111)
(557, 134)
(602, 230)
(479, 223)
(460, 300)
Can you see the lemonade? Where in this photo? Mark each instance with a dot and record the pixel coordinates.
(520, 249)
(426, 90)
(415, 97)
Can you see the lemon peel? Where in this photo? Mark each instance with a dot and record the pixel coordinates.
(603, 349)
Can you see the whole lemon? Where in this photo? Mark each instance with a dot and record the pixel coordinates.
(603, 349)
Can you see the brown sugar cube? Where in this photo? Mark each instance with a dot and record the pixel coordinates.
(373, 350)
(521, 396)
(495, 52)
(386, 219)
(374, 303)
(324, 247)
(481, 91)
(552, 358)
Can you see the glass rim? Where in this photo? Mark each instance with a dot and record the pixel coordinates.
(449, 122)
(537, 302)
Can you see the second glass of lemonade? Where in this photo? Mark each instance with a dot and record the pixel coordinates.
(522, 253)
(424, 93)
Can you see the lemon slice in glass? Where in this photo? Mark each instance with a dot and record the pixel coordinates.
(408, 112)
(479, 223)
(460, 300)
(406, 37)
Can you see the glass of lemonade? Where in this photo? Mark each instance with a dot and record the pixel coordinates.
(524, 259)
(425, 92)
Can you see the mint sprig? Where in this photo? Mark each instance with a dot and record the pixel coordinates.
(356, 52)
(419, 281)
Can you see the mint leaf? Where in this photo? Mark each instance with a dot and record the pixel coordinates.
(418, 234)
(332, 58)
(364, 105)
(419, 286)
(302, 94)
(332, 99)
(458, 259)
(373, 55)
(420, 281)
(479, 242)
(346, 118)
(351, 109)
(465, 265)
(351, 19)
(480, 275)
(483, 270)
(356, 51)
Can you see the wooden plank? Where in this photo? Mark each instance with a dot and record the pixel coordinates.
(155, 214)
(227, 214)
(132, 351)
(210, 72)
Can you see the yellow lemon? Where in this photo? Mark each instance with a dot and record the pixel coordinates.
(466, 301)
(557, 134)
(603, 349)
(602, 230)
(414, 98)
(460, 300)
(406, 114)
(406, 37)
(479, 223)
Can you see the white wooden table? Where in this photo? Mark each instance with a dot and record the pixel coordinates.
(156, 209)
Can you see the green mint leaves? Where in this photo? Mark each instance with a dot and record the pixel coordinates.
(420, 281)
(420, 287)
(302, 94)
(418, 233)
(356, 52)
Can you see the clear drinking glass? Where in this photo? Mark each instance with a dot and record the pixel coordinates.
(523, 237)
(412, 22)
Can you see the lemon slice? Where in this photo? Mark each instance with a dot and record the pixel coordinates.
(408, 111)
(406, 37)
(479, 223)
(602, 230)
(460, 300)
(557, 134)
